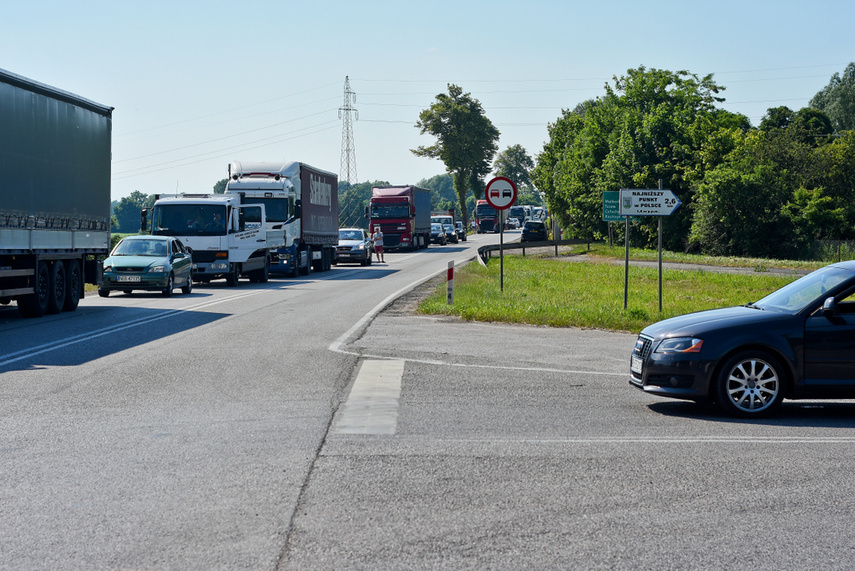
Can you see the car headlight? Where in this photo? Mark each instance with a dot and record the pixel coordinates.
(680, 345)
(360, 247)
(108, 269)
(157, 269)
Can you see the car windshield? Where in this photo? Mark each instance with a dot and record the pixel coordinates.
(349, 235)
(436, 228)
(140, 248)
(797, 295)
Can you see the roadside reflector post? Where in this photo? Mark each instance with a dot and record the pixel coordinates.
(449, 284)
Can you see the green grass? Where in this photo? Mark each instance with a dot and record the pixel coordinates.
(541, 291)
(758, 264)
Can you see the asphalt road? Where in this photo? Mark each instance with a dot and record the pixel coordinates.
(295, 425)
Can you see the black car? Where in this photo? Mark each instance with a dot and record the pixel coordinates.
(797, 343)
(450, 233)
(533, 231)
(437, 234)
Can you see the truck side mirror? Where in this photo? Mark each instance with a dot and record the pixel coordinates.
(298, 209)
(144, 220)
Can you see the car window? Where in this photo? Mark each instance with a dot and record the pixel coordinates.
(799, 294)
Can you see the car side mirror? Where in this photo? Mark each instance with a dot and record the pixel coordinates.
(829, 308)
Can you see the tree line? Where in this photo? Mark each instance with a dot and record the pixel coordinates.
(766, 191)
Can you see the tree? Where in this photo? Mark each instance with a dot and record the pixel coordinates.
(516, 164)
(352, 201)
(837, 99)
(466, 140)
(127, 211)
(220, 186)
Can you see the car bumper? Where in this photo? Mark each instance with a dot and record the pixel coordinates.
(145, 283)
(669, 375)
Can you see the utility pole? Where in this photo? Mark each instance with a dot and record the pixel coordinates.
(347, 171)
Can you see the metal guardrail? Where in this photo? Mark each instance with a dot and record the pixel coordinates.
(485, 252)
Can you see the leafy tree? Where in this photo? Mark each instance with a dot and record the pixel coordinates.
(220, 186)
(837, 99)
(466, 140)
(516, 164)
(652, 125)
(127, 211)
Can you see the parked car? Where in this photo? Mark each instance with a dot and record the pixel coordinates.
(533, 231)
(354, 245)
(147, 263)
(437, 234)
(461, 231)
(450, 233)
(796, 343)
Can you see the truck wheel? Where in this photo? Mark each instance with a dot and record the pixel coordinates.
(58, 285)
(36, 305)
(75, 285)
(233, 276)
(170, 285)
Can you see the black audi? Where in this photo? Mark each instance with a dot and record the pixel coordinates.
(796, 343)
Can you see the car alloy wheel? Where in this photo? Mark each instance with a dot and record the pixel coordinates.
(170, 285)
(751, 384)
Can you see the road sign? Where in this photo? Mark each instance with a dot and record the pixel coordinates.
(655, 202)
(501, 193)
(611, 206)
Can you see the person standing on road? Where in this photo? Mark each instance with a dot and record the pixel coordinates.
(377, 238)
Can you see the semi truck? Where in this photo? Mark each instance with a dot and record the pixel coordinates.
(486, 217)
(54, 195)
(302, 201)
(403, 215)
(227, 237)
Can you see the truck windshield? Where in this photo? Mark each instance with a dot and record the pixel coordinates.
(485, 210)
(387, 211)
(189, 220)
(276, 209)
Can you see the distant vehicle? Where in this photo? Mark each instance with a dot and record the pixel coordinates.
(437, 234)
(403, 212)
(797, 343)
(450, 233)
(533, 231)
(354, 245)
(461, 232)
(147, 263)
(54, 195)
(486, 217)
(539, 213)
(517, 213)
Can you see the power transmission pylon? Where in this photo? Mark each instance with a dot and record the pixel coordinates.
(347, 172)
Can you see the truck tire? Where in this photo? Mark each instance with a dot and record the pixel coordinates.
(233, 276)
(58, 287)
(75, 285)
(36, 305)
(306, 271)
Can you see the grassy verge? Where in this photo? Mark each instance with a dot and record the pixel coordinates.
(542, 291)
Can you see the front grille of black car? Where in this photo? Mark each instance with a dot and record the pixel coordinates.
(643, 346)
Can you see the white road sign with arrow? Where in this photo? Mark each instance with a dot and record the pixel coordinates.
(639, 202)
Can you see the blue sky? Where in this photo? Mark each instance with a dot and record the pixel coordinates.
(197, 84)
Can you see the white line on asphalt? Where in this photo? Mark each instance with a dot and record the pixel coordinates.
(848, 440)
(372, 407)
(54, 345)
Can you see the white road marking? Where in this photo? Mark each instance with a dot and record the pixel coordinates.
(372, 407)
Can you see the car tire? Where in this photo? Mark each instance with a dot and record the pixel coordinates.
(187, 289)
(750, 384)
(103, 292)
(170, 285)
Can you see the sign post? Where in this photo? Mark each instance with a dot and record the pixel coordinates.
(449, 284)
(641, 202)
(501, 193)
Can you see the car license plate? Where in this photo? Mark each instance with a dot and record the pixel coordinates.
(636, 365)
(129, 278)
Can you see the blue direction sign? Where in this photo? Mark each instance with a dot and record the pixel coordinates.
(654, 202)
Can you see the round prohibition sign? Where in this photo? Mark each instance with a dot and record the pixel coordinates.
(501, 193)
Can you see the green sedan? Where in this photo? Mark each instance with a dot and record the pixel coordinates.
(147, 263)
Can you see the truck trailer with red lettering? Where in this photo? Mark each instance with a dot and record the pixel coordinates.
(403, 214)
